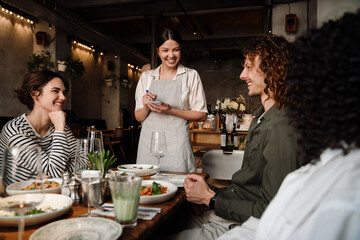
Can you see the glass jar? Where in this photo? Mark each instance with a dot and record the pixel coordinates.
(210, 123)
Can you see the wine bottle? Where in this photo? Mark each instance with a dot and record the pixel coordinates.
(224, 136)
(234, 137)
(209, 108)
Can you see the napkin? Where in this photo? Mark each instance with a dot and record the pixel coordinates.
(143, 213)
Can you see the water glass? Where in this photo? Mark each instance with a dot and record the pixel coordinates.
(125, 193)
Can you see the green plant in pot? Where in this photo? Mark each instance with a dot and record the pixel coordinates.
(74, 68)
(110, 79)
(107, 161)
(40, 61)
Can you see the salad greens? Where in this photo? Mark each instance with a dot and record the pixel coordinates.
(156, 189)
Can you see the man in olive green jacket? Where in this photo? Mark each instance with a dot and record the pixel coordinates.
(270, 152)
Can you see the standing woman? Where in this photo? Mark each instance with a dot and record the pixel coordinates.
(182, 99)
(44, 93)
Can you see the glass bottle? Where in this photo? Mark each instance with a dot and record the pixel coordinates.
(234, 137)
(224, 137)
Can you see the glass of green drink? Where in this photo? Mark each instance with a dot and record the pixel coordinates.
(125, 193)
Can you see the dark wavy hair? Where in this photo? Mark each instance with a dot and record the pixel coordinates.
(167, 34)
(274, 53)
(35, 81)
(323, 87)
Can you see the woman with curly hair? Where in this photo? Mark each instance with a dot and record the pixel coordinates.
(271, 147)
(322, 199)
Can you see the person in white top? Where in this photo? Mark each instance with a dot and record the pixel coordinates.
(182, 98)
(322, 199)
(44, 93)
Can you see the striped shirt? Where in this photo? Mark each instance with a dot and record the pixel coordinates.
(58, 150)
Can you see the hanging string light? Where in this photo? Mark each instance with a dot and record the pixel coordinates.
(4, 9)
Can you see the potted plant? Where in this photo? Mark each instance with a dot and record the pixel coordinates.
(124, 81)
(74, 68)
(40, 61)
(110, 79)
(107, 161)
(61, 65)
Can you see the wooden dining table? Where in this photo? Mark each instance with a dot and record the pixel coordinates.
(143, 230)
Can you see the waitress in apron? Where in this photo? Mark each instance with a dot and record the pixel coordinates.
(182, 99)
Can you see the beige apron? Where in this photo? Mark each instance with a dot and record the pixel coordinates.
(179, 156)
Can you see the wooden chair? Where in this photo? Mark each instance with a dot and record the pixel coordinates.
(117, 137)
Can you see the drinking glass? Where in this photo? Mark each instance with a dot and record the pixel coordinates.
(96, 134)
(125, 193)
(18, 160)
(82, 149)
(158, 148)
(91, 180)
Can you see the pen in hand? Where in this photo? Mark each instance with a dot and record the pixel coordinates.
(151, 98)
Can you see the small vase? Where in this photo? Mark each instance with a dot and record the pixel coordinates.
(229, 120)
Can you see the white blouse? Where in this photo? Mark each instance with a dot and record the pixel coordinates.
(192, 94)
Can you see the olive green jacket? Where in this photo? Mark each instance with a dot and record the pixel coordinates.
(270, 154)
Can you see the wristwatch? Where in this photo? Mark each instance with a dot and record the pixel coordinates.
(212, 202)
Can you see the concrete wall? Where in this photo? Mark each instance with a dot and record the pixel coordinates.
(111, 95)
(87, 91)
(16, 44)
(334, 9)
(278, 18)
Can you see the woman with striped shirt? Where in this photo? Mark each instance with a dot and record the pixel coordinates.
(44, 93)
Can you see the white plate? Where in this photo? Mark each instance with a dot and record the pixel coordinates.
(15, 188)
(79, 228)
(120, 172)
(59, 202)
(177, 180)
(171, 190)
(139, 169)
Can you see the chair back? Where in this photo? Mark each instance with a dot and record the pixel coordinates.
(119, 133)
(222, 166)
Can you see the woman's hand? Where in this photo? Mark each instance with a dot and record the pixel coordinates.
(148, 97)
(58, 118)
(162, 108)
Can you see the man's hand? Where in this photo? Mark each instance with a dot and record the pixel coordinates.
(58, 118)
(197, 190)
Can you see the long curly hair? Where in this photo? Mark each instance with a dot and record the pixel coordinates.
(323, 87)
(274, 53)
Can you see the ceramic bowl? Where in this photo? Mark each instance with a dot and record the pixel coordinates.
(153, 199)
(60, 204)
(139, 169)
(15, 188)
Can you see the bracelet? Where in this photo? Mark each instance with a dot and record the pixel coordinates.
(212, 202)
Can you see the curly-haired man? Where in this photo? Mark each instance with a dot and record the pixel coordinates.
(322, 199)
(270, 153)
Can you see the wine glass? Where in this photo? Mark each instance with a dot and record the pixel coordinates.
(158, 148)
(91, 180)
(81, 159)
(95, 134)
(20, 160)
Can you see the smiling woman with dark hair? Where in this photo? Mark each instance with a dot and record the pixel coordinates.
(181, 99)
(322, 199)
(44, 93)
